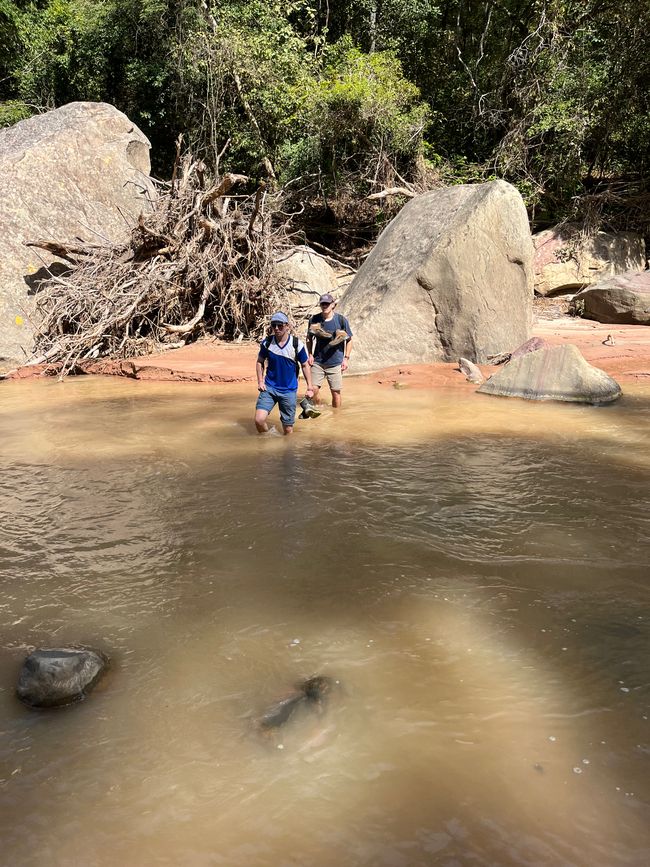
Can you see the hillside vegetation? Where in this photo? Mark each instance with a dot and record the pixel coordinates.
(339, 101)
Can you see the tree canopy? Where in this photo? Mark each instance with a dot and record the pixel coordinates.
(349, 98)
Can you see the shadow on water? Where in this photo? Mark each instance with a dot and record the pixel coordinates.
(480, 590)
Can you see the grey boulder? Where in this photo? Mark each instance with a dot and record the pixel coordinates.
(471, 372)
(451, 276)
(306, 276)
(621, 300)
(553, 373)
(568, 259)
(78, 172)
(59, 676)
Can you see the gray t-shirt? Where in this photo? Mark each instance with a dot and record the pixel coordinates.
(325, 355)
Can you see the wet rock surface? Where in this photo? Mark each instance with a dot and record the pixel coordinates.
(553, 373)
(59, 676)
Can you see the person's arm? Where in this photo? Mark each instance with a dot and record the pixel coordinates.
(306, 372)
(310, 345)
(259, 371)
(303, 361)
(346, 357)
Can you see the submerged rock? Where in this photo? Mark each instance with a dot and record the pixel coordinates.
(553, 373)
(59, 676)
(312, 692)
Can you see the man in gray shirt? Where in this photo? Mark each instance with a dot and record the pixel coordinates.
(329, 343)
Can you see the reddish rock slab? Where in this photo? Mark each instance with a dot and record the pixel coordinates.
(531, 345)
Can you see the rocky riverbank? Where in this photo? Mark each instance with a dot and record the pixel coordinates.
(622, 351)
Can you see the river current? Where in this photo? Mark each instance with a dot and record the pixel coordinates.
(473, 570)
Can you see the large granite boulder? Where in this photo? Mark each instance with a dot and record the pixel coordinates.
(567, 260)
(307, 276)
(553, 373)
(450, 276)
(60, 676)
(80, 171)
(621, 300)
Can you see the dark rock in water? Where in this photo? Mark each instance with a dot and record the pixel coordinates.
(60, 676)
(553, 373)
(312, 692)
(317, 688)
(278, 714)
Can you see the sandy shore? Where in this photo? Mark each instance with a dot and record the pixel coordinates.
(628, 360)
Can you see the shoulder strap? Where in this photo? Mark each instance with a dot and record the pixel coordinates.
(295, 355)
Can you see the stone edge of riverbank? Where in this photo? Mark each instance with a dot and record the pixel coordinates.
(622, 351)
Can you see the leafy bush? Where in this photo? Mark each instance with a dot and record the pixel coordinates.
(363, 119)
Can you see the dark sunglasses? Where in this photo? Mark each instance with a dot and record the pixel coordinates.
(278, 324)
(326, 303)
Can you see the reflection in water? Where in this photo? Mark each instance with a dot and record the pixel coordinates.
(473, 570)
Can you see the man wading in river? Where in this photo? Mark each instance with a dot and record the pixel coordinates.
(283, 356)
(333, 336)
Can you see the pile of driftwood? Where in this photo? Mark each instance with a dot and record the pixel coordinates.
(200, 262)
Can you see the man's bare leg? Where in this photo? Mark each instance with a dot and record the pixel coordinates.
(336, 399)
(260, 420)
(288, 429)
(316, 399)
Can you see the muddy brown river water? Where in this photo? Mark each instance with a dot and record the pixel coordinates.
(473, 570)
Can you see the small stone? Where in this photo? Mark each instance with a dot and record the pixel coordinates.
(577, 770)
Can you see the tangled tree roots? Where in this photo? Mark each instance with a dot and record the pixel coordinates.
(200, 262)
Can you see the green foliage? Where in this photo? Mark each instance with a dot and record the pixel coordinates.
(9, 44)
(359, 112)
(550, 94)
(12, 111)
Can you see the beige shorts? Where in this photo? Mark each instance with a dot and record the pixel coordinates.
(333, 375)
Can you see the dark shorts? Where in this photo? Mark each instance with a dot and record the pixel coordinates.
(286, 402)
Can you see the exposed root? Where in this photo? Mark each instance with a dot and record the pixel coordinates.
(201, 262)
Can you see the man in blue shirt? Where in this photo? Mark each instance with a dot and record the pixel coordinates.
(283, 355)
(332, 335)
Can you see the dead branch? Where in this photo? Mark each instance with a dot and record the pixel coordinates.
(393, 191)
(192, 266)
